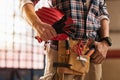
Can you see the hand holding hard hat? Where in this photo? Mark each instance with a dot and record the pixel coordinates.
(59, 21)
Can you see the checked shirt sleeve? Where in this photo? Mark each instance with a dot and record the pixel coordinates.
(103, 10)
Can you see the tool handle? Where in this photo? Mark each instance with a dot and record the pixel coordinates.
(90, 52)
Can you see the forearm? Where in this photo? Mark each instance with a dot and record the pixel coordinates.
(104, 28)
(104, 19)
(29, 14)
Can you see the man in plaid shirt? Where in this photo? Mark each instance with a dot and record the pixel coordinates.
(85, 27)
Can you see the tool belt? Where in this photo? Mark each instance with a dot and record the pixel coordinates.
(74, 56)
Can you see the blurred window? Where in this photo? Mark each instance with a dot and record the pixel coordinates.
(18, 47)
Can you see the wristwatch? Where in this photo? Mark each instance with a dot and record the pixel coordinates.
(108, 40)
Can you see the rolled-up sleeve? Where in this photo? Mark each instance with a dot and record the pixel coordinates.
(103, 11)
(23, 2)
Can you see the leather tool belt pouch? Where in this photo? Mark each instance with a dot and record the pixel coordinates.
(72, 63)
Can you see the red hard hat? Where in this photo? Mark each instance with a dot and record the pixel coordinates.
(57, 19)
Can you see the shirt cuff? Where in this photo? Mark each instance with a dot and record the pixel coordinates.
(104, 17)
(23, 2)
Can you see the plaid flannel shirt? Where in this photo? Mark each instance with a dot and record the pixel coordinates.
(74, 8)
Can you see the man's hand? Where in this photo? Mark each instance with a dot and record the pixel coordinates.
(100, 53)
(44, 31)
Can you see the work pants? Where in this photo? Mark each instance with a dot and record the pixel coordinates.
(95, 72)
